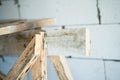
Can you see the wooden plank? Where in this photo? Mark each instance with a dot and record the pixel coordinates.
(78, 40)
(61, 67)
(69, 41)
(39, 69)
(29, 24)
(26, 59)
(2, 75)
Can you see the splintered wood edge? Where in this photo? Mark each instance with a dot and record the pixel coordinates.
(12, 75)
(39, 69)
(61, 67)
(30, 54)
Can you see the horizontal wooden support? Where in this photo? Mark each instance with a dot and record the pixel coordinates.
(61, 67)
(62, 40)
(17, 26)
(26, 59)
(2, 75)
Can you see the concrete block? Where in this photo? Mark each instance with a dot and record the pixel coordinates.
(105, 40)
(65, 11)
(86, 69)
(110, 11)
(8, 10)
(113, 70)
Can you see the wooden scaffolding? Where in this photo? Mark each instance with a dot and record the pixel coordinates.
(32, 46)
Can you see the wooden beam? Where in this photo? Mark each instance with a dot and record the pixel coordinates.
(77, 39)
(25, 25)
(26, 59)
(2, 75)
(61, 67)
(39, 69)
(69, 41)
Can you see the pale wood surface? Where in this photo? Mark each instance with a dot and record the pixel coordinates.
(39, 69)
(87, 42)
(17, 26)
(26, 59)
(69, 41)
(61, 67)
(60, 40)
(16, 43)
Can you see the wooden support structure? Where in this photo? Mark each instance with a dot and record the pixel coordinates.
(17, 26)
(2, 75)
(61, 67)
(29, 37)
(26, 59)
(39, 69)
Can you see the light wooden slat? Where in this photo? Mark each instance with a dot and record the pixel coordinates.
(2, 75)
(61, 40)
(26, 59)
(39, 69)
(87, 42)
(69, 41)
(61, 67)
(29, 24)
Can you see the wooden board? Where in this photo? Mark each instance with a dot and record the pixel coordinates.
(67, 41)
(39, 69)
(26, 59)
(17, 26)
(2, 75)
(61, 67)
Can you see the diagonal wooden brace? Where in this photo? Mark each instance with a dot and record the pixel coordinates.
(27, 58)
(61, 67)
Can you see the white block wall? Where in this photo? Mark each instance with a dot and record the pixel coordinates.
(110, 10)
(8, 10)
(105, 38)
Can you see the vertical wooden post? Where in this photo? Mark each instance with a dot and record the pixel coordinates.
(61, 67)
(26, 59)
(39, 69)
